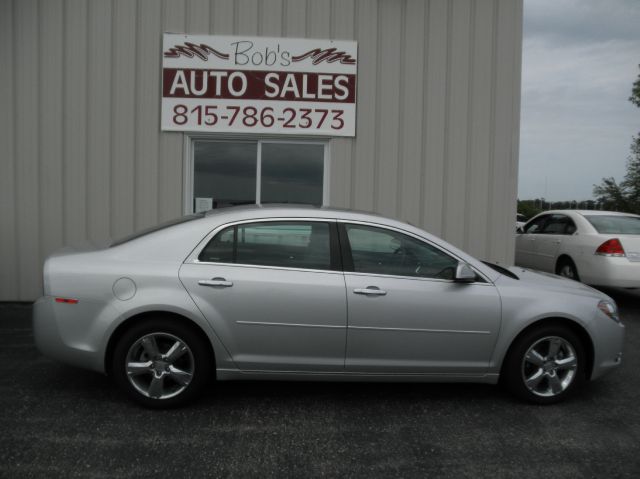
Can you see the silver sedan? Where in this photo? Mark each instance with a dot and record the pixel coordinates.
(281, 292)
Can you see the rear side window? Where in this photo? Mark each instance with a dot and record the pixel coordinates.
(220, 248)
(619, 225)
(284, 244)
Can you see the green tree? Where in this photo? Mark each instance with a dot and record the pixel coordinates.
(624, 196)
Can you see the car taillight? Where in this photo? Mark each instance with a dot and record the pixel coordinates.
(611, 247)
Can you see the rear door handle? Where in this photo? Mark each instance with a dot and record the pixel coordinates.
(370, 291)
(221, 282)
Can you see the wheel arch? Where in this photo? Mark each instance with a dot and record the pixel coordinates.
(560, 259)
(143, 316)
(575, 327)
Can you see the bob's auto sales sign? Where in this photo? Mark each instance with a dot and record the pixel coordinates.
(258, 85)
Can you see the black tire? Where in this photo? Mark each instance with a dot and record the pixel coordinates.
(166, 380)
(553, 384)
(567, 269)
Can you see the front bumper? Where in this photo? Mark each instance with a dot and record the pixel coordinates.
(609, 339)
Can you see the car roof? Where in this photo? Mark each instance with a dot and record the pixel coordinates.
(590, 212)
(285, 209)
(298, 210)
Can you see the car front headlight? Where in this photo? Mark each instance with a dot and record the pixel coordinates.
(610, 309)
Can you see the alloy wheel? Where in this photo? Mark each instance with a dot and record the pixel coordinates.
(160, 365)
(549, 366)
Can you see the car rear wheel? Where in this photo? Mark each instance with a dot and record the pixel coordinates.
(545, 365)
(162, 363)
(567, 269)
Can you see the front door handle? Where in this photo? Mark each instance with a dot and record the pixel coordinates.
(216, 282)
(370, 291)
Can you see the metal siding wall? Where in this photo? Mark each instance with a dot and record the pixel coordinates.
(9, 288)
(26, 148)
(171, 144)
(123, 102)
(83, 156)
(343, 22)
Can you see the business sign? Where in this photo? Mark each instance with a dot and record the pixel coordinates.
(258, 85)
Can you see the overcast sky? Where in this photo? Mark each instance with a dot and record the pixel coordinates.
(580, 58)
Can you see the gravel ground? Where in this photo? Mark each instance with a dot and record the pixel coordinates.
(57, 421)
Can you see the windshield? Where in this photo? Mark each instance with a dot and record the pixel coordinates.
(166, 224)
(620, 225)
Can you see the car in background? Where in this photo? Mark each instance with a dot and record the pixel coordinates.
(600, 248)
(302, 293)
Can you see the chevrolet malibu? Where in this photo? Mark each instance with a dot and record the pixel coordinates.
(301, 293)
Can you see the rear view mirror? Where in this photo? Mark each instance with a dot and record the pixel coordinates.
(464, 273)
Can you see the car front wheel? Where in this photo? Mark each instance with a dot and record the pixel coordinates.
(545, 365)
(162, 363)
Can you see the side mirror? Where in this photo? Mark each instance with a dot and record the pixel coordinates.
(464, 274)
(519, 230)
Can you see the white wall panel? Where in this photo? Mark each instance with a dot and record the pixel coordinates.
(363, 178)
(387, 119)
(83, 157)
(171, 143)
(50, 126)
(27, 148)
(9, 287)
(147, 108)
(435, 113)
(123, 94)
(411, 121)
(98, 119)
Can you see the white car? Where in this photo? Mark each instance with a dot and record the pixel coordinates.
(596, 247)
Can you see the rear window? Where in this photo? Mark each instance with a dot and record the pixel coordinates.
(153, 229)
(620, 225)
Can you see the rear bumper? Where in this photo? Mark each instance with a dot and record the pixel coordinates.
(60, 332)
(610, 271)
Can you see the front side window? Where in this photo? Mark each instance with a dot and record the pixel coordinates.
(283, 244)
(536, 225)
(380, 251)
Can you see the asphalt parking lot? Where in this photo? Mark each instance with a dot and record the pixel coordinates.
(57, 421)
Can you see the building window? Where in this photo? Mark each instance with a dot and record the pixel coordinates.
(226, 173)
